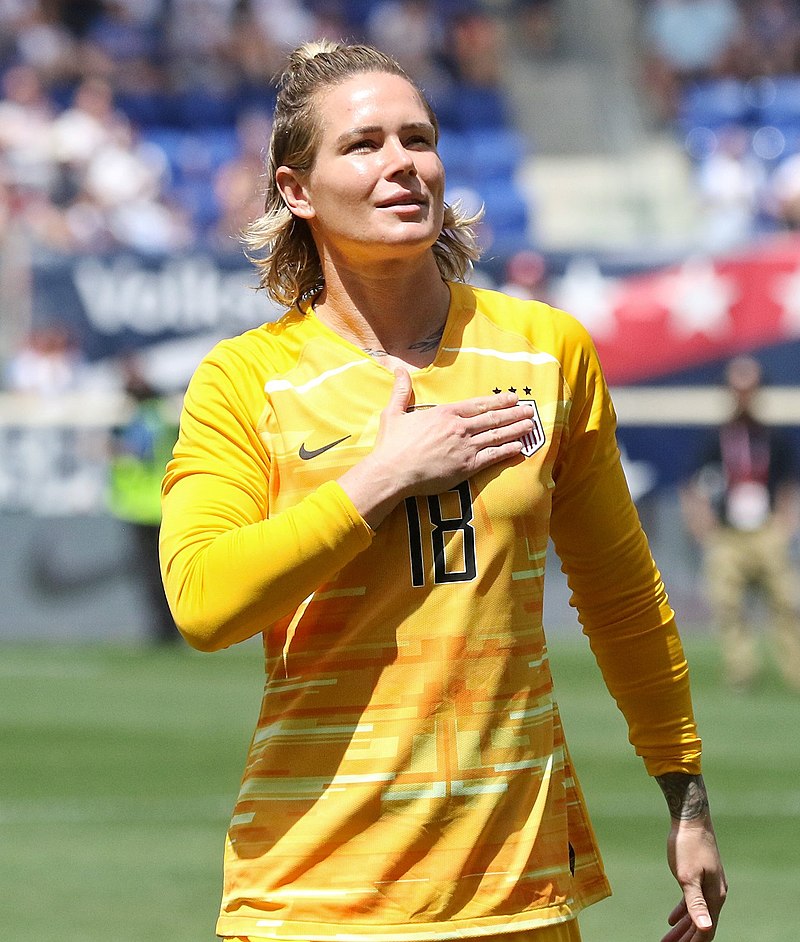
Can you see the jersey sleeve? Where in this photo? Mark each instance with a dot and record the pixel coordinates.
(230, 568)
(617, 589)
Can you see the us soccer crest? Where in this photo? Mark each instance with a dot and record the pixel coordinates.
(534, 440)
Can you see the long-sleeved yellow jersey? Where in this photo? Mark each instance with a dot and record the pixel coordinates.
(408, 778)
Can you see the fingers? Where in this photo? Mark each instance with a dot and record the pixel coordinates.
(499, 418)
(484, 405)
(400, 399)
(695, 925)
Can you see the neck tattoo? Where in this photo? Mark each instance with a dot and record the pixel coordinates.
(425, 345)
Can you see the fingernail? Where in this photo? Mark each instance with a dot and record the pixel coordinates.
(704, 922)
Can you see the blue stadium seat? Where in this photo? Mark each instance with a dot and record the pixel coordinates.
(145, 109)
(463, 107)
(507, 212)
(715, 103)
(779, 103)
(171, 141)
(454, 150)
(200, 108)
(495, 152)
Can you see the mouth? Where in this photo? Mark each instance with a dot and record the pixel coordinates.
(404, 201)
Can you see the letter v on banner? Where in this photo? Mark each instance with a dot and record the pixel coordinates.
(534, 440)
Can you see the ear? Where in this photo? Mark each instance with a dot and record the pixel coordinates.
(294, 192)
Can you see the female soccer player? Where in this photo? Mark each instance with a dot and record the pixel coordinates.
(370, 483)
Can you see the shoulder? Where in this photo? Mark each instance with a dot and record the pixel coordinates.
(239, 367)
(261, 351)
(547, 329)
(544, 324)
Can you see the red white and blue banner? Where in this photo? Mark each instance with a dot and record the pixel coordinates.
(681, 322)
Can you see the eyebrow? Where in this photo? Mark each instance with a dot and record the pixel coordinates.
(374, 128)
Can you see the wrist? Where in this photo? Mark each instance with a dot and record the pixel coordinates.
(374, 488)
(686, 797)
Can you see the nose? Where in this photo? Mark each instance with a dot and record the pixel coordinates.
(401, 159)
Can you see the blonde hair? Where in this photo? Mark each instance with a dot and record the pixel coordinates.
(279, 244)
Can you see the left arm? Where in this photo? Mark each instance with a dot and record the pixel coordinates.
(623, 607)
(694, 859)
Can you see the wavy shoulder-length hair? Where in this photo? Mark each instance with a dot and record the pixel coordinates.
(279, 244)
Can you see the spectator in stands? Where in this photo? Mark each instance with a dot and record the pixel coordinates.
(730, 185)
(36, 35)
(48, 364)
(236, 183)
(88, 124)
(411, 31)
(525, 275)
(26, 118)
(783, 193)
(536, 26)
(474, 42)
(687, 40)
(771, 44)
(741, 506)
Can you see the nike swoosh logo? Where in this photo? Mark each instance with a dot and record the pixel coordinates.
(306, 455)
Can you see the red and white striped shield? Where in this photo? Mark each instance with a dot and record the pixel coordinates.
(534, 440)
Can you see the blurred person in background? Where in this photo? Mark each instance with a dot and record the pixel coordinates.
(237, 187)
(741, 505)
(141, 448)
(48, 364)
(26, 120)
(408, 776)
(684, 41)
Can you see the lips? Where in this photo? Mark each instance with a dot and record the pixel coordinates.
(404, 199)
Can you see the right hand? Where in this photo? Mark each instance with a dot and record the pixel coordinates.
(428, 451)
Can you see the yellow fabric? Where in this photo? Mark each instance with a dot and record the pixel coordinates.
(568, 931)
(408, 776)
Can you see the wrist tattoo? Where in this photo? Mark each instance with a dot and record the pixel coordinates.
(686, 795)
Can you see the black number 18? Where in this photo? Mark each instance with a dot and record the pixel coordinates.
(440, 526)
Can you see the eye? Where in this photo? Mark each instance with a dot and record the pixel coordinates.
(421, 142)
(362, 146)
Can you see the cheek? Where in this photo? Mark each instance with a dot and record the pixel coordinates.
(353, 190)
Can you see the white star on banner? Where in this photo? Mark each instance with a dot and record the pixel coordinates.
(587, 294)
(699, 299)
(786, 291)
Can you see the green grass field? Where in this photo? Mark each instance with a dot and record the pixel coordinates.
(119, 765)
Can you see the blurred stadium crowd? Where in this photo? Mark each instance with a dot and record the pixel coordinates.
(723, 74)
(142, 124)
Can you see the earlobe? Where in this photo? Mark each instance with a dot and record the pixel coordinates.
(293, 192)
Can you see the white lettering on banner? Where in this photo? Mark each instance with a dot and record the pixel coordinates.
(185, 295)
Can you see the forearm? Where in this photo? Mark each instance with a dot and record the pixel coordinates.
(686, 795)
(228, 579)
(624, 609)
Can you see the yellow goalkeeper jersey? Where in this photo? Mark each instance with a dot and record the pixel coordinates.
(408, 777)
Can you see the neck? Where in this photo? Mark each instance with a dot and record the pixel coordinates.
(396, 315)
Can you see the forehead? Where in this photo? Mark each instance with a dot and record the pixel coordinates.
(369, 98)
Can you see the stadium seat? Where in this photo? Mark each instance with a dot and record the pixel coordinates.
(715, 103)
(464, 107)
(454, 151)
(200, 108)
(495, 152)
(506, 211)
(779, 104)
